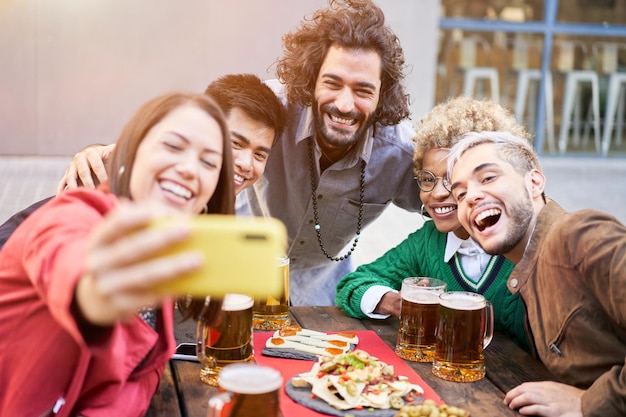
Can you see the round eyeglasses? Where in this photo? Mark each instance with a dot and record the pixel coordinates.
(427, 181)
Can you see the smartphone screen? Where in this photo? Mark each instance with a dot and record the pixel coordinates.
(186, 352)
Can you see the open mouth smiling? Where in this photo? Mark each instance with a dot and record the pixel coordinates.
(444, 210)
(487, 218)
(342, 120)
(176, 189)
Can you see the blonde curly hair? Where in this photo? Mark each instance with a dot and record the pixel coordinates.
(447, 122)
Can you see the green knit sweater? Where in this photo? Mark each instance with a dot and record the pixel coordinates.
(421, 254)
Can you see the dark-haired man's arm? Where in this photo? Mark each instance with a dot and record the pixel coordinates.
(87, 169)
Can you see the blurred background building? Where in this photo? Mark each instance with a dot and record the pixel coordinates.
(72, 72)
(559, 64)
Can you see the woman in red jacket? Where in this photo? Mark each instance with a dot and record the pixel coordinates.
(82, 332)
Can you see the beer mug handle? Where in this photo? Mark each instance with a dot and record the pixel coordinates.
(200, 334)
(217, 403)
(488, 324)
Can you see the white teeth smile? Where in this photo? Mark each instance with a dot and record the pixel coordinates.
(341, 120)
(239, 178)
(444, 210)
(492, 214)
(176, 189)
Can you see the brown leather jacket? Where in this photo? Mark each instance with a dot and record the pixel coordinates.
(572, 279)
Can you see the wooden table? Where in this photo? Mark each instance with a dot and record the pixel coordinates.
(181, 392)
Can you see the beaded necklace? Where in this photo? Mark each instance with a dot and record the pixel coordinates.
(315, 214)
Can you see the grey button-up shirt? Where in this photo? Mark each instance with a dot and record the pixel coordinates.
(285, 193)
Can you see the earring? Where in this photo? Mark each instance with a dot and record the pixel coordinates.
(122, 169)
(422, 210)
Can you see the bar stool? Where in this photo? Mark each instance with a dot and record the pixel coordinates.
(476, 77)
(473, 76)
(614, 104)
(606, 54)
(574, 79)
(527, 85)
(524, 79)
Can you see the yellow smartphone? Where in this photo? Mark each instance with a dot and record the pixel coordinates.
(240, 254)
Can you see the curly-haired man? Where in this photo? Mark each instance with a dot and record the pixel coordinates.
(347, 148)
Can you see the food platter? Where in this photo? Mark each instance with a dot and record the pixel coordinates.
(302, 395)
(293, 342)
(351, 383)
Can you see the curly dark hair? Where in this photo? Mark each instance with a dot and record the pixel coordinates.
(350, 24)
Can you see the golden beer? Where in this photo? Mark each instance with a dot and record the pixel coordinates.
(248, 390)
(271, 313)
(228, 339)
(419, 317)
(465, 329)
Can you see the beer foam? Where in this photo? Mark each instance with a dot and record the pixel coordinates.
(237, 302)
(422, 297)
(250, 379)
(463, 301)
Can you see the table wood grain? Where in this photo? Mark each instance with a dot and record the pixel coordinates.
(182, 394)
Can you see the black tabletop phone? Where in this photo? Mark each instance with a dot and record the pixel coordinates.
(186, 352)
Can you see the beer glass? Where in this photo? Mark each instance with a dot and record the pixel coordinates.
(227, 338)
(270, 313)
(246, 390)
(465, 329)
(418, 318)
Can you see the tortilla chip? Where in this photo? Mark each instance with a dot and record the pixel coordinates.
(342, 389)
(377, 400)
(328, 393)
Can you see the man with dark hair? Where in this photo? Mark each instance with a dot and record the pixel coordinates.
(255, 119)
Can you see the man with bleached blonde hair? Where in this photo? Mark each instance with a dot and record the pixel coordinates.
(570, 271)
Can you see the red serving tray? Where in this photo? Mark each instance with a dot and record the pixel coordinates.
(369, 341)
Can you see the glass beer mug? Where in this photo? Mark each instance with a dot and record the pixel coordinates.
(227, 339)
(271, 313)
(247, 390)
(465, 329)
(418, 318)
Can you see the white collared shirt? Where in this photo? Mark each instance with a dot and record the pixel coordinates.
(473, 258)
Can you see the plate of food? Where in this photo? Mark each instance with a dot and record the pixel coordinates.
(294, 342)
(353, 383)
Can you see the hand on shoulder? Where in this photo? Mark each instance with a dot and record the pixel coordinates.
(87, 168)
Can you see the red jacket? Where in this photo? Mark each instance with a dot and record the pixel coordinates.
(46, 363)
